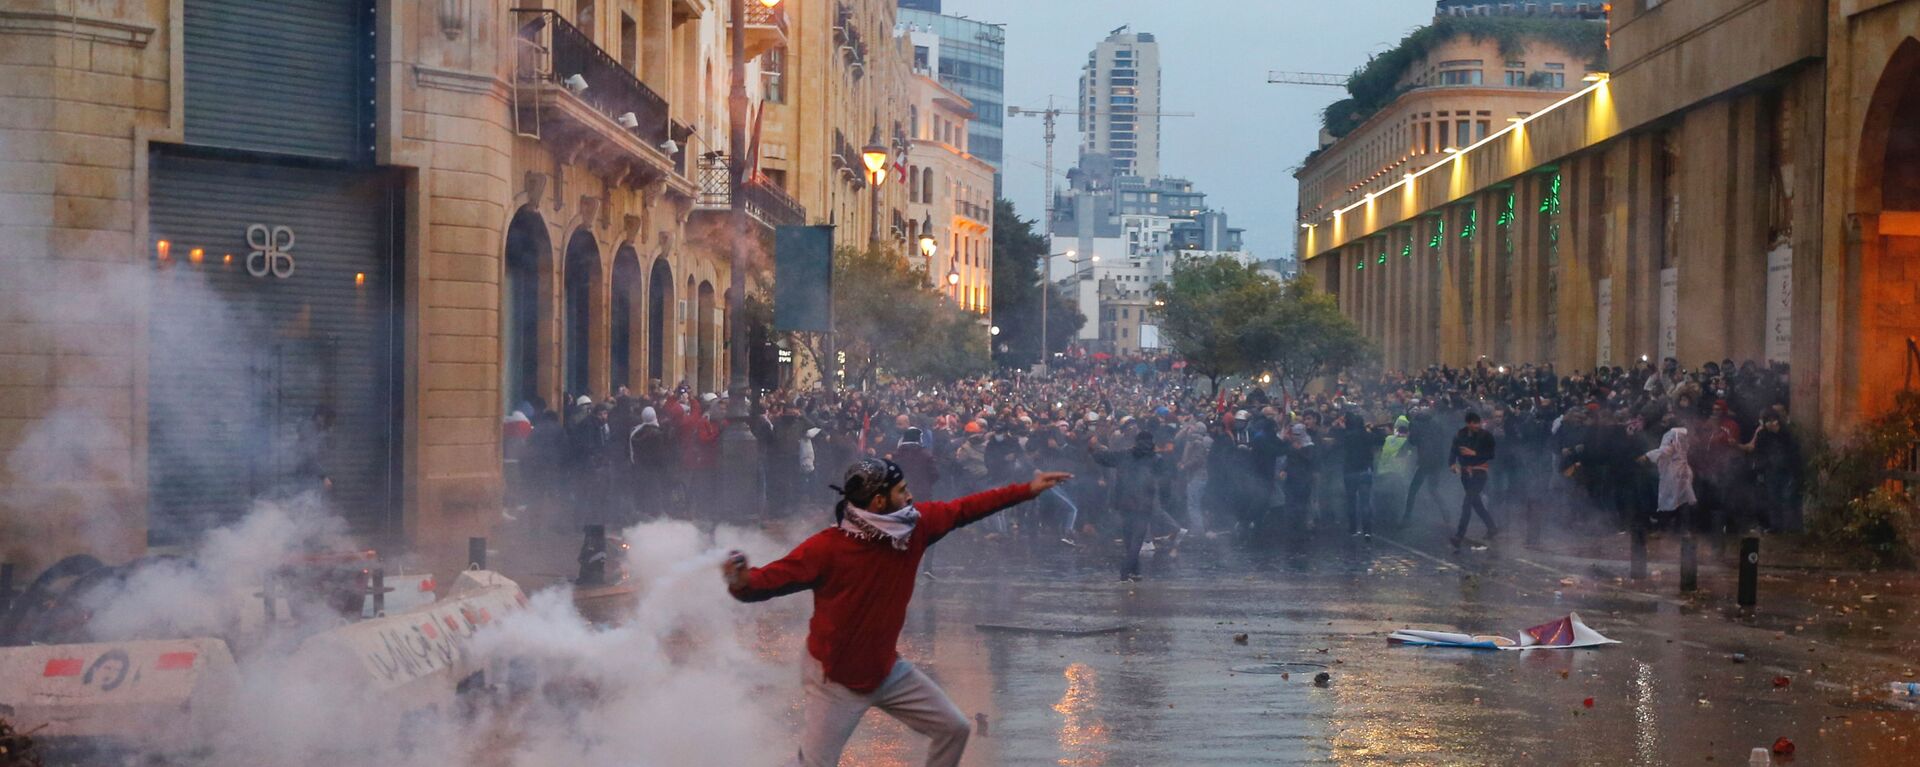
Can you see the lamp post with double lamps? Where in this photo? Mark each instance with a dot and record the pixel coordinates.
(874, 156)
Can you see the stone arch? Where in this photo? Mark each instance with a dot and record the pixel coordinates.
(624, 311)
(1886, 206)
(689, 333)
(523, 290)
(582, 281)
(706, 338)
(1889, 146)
(659, 320)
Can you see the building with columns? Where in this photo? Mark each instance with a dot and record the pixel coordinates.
(344, 238)
(1760, 208)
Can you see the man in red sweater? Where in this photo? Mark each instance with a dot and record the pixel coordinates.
(862, 574)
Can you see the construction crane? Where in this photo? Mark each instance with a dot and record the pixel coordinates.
(1306, 78)
(1048, 116)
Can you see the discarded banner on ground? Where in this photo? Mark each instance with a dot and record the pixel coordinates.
(1559, 634)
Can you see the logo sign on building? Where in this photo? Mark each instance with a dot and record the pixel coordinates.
(1780, 303)
(272, 251)
(1669, 312)
(1603, 323)
(803, 279)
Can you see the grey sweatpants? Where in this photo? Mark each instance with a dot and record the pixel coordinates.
(832, 712)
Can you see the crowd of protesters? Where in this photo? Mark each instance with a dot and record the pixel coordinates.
(1158, 455)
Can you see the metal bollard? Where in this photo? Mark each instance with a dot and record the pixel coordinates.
(379, 584)
(1533, 522)
(1689, 564)
(1749, 571)
(593, 557)
(1637, 570)
(477, 553)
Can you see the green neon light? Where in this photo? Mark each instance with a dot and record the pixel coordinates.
(1473, 224)
(1550, 205)
(1406, 251)
(1439, 232)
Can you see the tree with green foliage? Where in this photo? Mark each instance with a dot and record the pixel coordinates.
(1206, 308)
(1018, 253)
(888, 319)
(1303, 337)
(1226, 317)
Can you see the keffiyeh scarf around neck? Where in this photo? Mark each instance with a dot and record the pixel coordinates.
(896, 528)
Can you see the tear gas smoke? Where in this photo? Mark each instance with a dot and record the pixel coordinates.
(688, 682)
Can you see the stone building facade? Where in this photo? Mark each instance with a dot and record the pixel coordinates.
(1461, 91)
(949, 197)
(249, 247)
(1751, 209)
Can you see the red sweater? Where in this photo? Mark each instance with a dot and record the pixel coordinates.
(861, 588)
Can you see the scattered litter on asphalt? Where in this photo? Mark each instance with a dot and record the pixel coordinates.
(1588, 703)
(1739, 657)
(1759, 758)
(1065, 628)
(1782, 681)
(1783, 747)
(1239, 638)
(1322, 679)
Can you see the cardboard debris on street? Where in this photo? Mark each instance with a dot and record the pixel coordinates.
(1563, 633)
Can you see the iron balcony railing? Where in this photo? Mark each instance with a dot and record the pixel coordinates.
(765, 200)
(611, 88)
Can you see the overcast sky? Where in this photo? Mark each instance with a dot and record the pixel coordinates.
(1246, 137)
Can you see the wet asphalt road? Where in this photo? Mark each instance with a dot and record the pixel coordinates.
(1174, 688)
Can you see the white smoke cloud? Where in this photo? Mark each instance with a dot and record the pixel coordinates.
(694, 678)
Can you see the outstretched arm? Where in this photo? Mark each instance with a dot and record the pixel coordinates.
(797, 571)
(941, 518)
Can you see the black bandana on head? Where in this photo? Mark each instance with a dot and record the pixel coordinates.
(866, 479)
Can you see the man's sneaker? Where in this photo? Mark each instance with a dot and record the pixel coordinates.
(1177, 538)
(1367, 536)
(1069, 542)
(1455, 540)
(1146, 548)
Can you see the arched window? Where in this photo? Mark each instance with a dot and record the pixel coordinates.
(623, 312)
(659, 317)
(582, 275)
(529, 255)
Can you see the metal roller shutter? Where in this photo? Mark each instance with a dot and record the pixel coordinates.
(288, 76)
(239, 363)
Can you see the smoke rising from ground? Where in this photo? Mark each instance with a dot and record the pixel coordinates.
(695, 678)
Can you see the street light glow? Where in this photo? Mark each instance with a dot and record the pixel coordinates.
(995, 330)
(770, 4)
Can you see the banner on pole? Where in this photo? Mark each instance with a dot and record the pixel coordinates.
(803, 279)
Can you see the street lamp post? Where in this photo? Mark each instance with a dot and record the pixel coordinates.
(874, 156)
(1046, 286)
(737, 443)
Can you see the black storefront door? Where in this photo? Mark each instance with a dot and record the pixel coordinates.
(273, 359)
